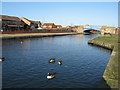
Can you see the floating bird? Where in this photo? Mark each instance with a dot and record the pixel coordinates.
(50, 76)
(2, 59)
(52, 60)
(59, 62)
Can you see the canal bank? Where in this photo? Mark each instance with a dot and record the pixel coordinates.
(110, 76)
(32, 35)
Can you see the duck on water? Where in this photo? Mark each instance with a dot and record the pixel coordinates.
(2, 59)
(51, 76)
(59, 62)
(51, 60)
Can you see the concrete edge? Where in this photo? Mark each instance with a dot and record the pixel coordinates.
(113, 54)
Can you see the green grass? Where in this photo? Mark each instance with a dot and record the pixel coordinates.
(108, 39)
(112, 76)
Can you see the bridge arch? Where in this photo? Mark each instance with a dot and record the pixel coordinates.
(88, 28)
(92, 29)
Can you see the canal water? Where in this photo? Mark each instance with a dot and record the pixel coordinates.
(26, 62)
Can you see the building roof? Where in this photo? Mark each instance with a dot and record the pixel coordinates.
(58, 25)
(35, 22)
(68, 26)
(5, 17)
(48, 24)
(27, 21)
(55, 28)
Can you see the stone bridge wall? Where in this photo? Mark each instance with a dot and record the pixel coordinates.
(109, 30)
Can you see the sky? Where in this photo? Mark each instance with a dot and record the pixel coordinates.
(65, 13)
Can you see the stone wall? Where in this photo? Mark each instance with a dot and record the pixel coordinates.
(110, 74)
(109, 30)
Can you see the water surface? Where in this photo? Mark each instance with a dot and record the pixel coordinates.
(26, 62)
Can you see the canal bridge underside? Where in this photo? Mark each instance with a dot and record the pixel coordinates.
(91, 31)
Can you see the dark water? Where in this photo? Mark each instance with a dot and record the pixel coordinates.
(26, 64)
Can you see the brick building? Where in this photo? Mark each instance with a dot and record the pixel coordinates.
(58, 26)
(49, 25)
(68, 27)
(31, 24)
(11, 23)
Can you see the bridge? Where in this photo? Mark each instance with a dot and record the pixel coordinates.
(92, 27)
(96, 28)
(87, 28)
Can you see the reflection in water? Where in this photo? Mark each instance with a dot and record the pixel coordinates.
(79, 36)
(26, 43)
(26, 64)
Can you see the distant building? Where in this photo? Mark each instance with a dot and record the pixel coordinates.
(78, 29)
(87, 25)
(58, 26)
(109, 30)
(68, 27)
(31, 24)
(49, 25)
(11, 23)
